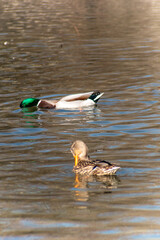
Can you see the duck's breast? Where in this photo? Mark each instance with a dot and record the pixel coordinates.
(84, 170)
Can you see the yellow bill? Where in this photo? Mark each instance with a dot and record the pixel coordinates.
(76, 159)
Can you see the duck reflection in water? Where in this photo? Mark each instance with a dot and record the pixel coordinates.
(84, 185)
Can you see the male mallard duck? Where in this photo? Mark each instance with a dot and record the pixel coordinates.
(71, 101)
(83, 164)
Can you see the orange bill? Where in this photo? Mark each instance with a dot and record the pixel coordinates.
(76, 159)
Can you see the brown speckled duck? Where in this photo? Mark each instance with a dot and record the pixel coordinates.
(80, 100)
(84, 165)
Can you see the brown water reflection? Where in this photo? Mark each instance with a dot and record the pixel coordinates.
(84, 184)
(53, 48)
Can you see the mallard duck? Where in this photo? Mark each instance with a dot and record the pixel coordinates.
(71, 101)
(84, 165)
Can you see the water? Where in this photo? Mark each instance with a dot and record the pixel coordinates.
(54, 48)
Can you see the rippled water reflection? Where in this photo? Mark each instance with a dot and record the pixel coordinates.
(57, 48)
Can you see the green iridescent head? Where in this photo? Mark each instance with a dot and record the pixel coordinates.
(29, 102)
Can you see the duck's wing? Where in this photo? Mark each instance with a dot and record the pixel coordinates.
(104, 164)
(104, 168)
(75, 97)
(101, 163)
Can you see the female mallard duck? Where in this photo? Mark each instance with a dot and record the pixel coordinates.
(71, 101)
(83, 164)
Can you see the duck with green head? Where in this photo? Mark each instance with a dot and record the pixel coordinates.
(29, 102)
(80, 100)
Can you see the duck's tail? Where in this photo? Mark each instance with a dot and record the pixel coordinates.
(95, 96)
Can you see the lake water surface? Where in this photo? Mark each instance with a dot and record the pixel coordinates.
(49, 49)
